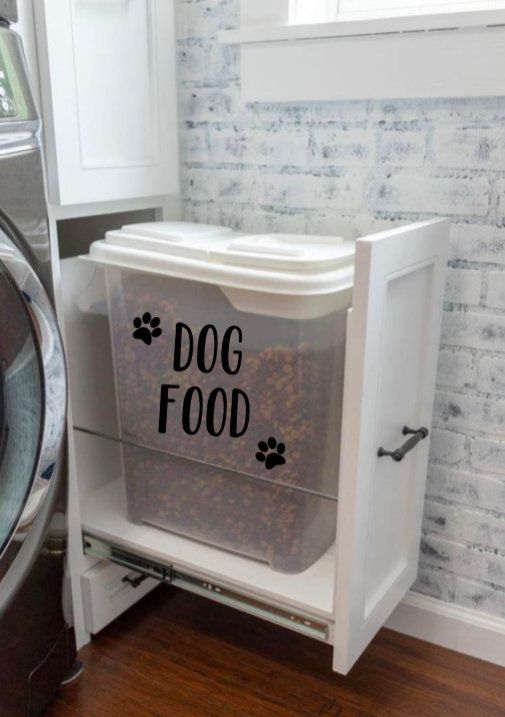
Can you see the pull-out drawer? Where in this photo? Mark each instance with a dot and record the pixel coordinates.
(393, 331)
(108, 589)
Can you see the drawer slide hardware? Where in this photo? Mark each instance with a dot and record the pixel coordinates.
(418, 434)
(166, 573)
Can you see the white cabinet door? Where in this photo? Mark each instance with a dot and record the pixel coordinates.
(109, 98)
(391, 362)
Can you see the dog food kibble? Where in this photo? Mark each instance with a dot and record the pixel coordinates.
(245, 439)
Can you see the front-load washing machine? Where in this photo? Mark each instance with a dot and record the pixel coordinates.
(36, 645)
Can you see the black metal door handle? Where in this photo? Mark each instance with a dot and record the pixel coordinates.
(134, 582)
(418, 434)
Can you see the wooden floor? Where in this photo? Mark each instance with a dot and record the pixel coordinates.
(177, 655)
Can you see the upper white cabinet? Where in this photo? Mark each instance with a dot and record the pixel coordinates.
(107, 71)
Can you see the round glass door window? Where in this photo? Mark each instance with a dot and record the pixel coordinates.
(21, 404)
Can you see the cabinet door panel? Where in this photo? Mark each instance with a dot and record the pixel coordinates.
(109, 98)
(131, 64)
(391, 361)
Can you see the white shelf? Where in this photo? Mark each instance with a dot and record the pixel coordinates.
(311, 592)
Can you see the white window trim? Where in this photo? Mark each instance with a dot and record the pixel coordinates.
(438, 55)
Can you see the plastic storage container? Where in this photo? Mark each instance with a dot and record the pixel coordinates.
(229, 359)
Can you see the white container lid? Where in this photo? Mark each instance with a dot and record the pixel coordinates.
(272, 263)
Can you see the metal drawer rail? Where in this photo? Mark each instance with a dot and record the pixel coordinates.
(166, 573)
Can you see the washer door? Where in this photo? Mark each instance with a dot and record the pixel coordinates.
(33, 394)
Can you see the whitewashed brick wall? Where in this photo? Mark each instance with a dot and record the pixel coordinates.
(349, 167)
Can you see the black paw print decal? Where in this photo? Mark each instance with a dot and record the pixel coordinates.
(147, 328)
(271, 453)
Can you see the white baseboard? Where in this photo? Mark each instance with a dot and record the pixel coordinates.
(457, 628)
